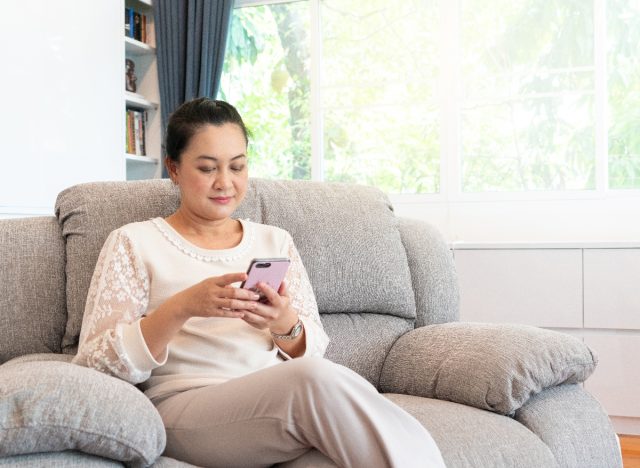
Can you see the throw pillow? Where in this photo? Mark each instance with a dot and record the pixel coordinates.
(55, 406)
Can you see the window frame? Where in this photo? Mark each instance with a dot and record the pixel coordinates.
(449, 105)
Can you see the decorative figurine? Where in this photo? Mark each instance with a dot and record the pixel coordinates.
(130, 79)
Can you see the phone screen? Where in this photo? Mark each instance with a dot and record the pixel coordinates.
(267, 270)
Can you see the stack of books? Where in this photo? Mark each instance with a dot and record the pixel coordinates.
(135, 25)
(136, 125)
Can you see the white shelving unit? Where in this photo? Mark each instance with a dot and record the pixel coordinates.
(146, 98)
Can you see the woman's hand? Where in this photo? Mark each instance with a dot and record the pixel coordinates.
(276, 313)
(215, 297)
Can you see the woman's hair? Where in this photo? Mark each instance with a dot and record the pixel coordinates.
(191, 116)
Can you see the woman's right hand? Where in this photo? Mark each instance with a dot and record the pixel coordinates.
(215, 297)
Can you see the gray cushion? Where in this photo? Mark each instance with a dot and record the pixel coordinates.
(40, 357)
(346, 234)
(66, 459)
(361, 342)
(56, 406)
(32, 299)
(347, 238)
(496, 367)
(472, 438)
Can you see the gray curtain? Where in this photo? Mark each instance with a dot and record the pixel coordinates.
(191, 38)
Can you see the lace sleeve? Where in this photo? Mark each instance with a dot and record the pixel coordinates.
(304, 303)
(118, 297)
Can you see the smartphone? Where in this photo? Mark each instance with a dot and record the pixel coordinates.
(267, 270)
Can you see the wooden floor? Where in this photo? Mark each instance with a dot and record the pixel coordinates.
(630, 451)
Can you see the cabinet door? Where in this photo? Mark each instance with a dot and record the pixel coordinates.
(612, 288)
(616, 380)
(541, 287)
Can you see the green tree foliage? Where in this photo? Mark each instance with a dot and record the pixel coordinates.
(527, 114)
(265, 76)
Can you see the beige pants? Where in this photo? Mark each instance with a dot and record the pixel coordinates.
(277, 414)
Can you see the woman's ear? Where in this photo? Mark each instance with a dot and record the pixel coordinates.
(171, 169)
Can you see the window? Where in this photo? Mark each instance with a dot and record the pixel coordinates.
(266, 76)
(447, 99)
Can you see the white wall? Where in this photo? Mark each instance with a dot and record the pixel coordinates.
(61, 90)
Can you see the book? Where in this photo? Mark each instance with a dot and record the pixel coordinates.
(142, 136)
(130, 137)
(137, 18)
(131, 25)
(143, 29)
(127, 22)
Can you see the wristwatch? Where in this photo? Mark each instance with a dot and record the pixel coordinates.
(294, 333)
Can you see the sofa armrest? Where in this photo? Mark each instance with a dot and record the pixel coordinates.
(496, 367)
(574, 426)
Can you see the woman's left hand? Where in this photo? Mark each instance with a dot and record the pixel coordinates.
(275, 313)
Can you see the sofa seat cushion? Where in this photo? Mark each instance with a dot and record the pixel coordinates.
(49, 406)
(470, 437)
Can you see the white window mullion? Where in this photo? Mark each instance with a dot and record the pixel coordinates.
(601, 95)
(317, 147)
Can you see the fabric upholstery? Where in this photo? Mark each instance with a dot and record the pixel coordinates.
(362, 341)
(65, 459)
(574, 426)
(40, 357)
(496, 367)
(472, 438)
(56, 406)
(356, 262)
(348, 241)
(433, 274)
(32, 296)
(74, 459)
(87, 213)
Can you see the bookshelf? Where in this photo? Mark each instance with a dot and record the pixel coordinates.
(142, 159)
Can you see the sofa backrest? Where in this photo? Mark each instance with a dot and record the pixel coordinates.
(352, 245)
(32, 287)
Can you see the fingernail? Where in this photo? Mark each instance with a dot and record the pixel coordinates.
(255, 297)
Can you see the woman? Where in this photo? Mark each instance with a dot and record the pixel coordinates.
(237, 381)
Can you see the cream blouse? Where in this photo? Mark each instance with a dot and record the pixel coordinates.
(141, 265)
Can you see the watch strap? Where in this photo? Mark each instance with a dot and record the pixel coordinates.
(294, 333)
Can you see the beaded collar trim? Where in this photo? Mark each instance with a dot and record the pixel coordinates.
(205, 255)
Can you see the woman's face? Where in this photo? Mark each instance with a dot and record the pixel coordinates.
(212, 173)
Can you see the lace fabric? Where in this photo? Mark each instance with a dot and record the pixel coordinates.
(119, 296)
(303, 301)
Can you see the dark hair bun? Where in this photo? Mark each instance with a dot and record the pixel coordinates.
(191, 116)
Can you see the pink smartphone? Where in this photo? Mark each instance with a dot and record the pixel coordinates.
(267, 270)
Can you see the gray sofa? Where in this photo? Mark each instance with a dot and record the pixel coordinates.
(491, 395)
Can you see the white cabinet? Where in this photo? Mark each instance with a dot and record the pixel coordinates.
(616, 380)
(534, 287)
(591, 291)
(612, 288)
